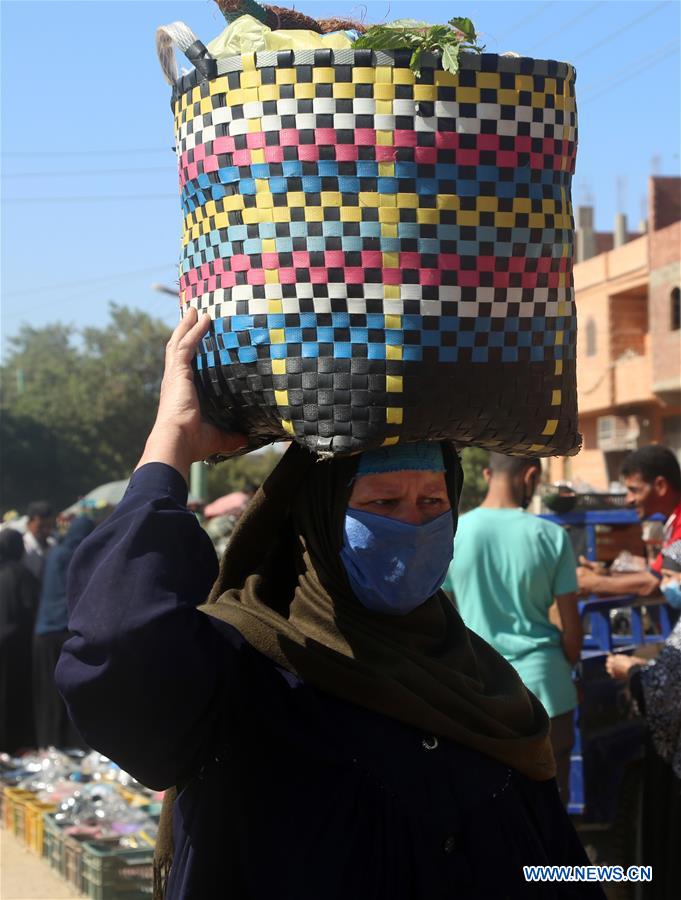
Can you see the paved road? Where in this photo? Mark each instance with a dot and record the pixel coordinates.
(23, 876)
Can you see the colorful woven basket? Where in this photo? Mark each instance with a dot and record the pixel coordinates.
(386, 258)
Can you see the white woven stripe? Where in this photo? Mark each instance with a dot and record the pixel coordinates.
(564, 305)
(194, 126)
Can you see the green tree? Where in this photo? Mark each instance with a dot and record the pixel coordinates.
(243, 473)
(473, 460)
(75, 407)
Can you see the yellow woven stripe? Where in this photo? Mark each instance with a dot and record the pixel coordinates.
(251, 79)
(363, 75)
(384, 91)
(403, 76)
(323, 75)
(218, 85)
(248, 63)
(343, 90)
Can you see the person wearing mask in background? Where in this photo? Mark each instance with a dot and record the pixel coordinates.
(655, 685)
(18, 603)
(38, 537)
(53, 726)
(652, 477)
(509, 569)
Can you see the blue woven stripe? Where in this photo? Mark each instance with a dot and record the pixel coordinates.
(211, 246)
(447, 179)
(239, 337)
(405, 231)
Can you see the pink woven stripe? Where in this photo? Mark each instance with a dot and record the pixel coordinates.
(554, 153)
(211, 276)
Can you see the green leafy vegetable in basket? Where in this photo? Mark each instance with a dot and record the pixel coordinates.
(420, 37)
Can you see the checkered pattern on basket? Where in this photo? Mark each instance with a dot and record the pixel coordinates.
(358, 234)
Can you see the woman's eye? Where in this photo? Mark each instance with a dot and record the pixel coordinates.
(432, 501)
(383, 502)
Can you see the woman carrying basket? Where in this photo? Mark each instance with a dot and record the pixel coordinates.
(331, 726)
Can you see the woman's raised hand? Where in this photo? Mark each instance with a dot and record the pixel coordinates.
(180, 436)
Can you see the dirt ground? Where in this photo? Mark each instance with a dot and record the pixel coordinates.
(23, 876)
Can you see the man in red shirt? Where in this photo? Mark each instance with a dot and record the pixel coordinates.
(652, 478)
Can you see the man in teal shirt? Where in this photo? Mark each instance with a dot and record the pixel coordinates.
(509, 568)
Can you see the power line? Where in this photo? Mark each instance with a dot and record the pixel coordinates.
(78, 173)
(657, 59)
(119, 152)
(79, 295)
(94, 198)
(631, 65)
(565, 26)
(521, 23)
(83, 292)
(614, 34)
(50, 288)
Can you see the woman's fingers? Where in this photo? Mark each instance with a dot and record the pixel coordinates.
(183, 327)
(197, 331)
(186, 336)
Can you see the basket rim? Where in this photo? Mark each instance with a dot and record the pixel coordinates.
(326, 57)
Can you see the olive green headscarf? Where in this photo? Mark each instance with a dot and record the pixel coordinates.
(283, 586)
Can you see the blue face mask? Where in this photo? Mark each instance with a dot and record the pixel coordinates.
(672, 593)
(394, 567)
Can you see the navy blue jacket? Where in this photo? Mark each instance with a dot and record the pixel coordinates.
(287, 792)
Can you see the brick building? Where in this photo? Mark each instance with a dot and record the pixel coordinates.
(629, 339)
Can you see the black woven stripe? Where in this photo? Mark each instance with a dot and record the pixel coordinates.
(485, 62)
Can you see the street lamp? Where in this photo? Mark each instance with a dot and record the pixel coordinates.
(165, 289)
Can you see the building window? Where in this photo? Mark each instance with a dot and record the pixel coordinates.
(675, 299)
(590, 338)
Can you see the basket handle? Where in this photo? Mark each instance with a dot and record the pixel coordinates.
(179, 35)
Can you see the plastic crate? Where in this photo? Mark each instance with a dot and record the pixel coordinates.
(53, 843)
(34, 824)
(132, 798)
(14, 810)
(72, 869)
(114, 873)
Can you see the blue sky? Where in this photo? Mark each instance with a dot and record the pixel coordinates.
(89, 202)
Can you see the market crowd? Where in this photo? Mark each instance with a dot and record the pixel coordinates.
(513, 579)
(33, 627)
